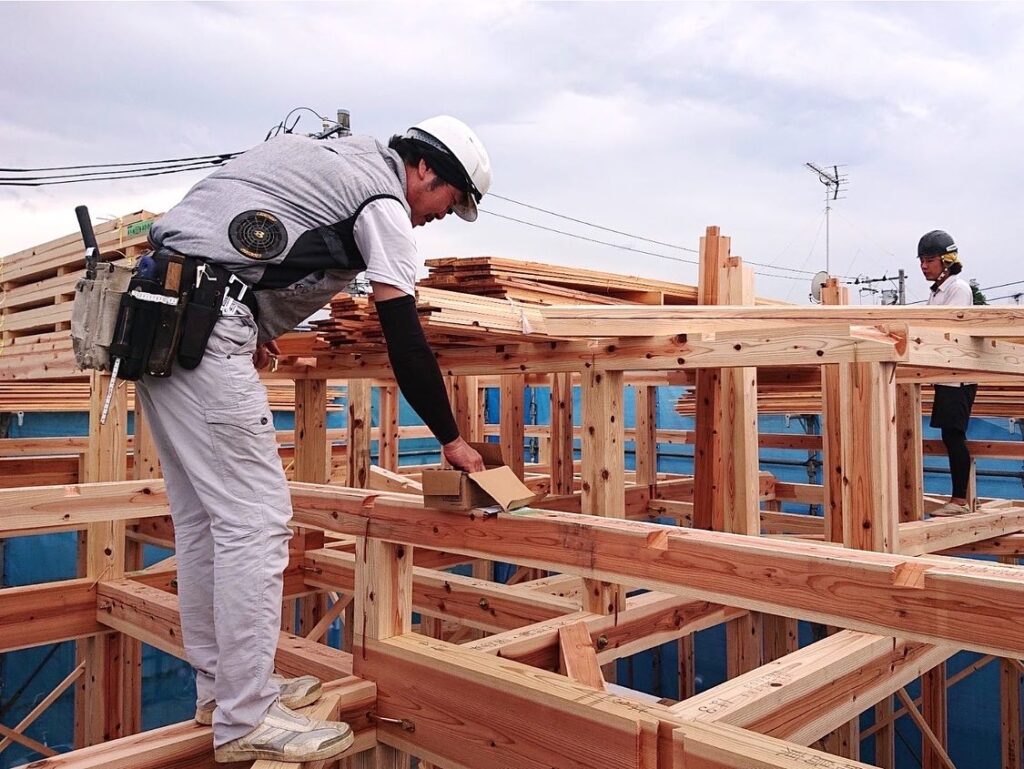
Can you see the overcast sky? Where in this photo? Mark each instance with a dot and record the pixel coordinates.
(654, 119)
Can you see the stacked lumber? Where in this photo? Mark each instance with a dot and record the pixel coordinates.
(38, 286)
(448, 318)
(539, 283)
(74, 396)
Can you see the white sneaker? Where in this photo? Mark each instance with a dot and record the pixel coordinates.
(287, 736)
(295, 693)
(950, 509)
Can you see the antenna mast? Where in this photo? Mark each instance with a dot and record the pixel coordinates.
(833, 182)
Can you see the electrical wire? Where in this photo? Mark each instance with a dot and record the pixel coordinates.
(183, 166)
(108, 178)
(781, 268)
(227, 155)
(618, 245)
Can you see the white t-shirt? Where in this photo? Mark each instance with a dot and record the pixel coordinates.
(954, 292)
(384, 235)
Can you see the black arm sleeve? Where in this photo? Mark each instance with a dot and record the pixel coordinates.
(416, 370)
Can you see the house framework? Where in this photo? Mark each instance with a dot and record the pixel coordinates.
(518, 675)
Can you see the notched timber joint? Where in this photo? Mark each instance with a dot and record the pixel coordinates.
(407, 725)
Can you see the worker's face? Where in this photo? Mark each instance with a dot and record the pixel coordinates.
(931, 267)
(434, 199)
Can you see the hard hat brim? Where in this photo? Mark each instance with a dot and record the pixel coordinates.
(467, 212)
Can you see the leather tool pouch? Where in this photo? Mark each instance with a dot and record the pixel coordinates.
(201, 313)
(167, 333)
(137, 320)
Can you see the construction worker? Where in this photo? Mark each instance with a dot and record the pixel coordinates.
(951, 408)
(283, 228)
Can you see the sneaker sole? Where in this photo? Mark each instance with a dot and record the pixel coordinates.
(227, 755)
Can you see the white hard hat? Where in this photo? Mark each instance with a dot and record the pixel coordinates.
(458, 140)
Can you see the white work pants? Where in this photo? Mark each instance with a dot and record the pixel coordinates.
(230, 505)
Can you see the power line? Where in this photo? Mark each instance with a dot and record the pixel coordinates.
(108, 178)
(637, 237)
(1002, 285)
(619, 245)
(223, 156)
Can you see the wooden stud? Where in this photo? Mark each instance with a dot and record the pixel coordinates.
(561, 434)
(869, 456)
(910, 452)
(388, 442)
(645, 441)
(832, 467)
(512, 428)
(933, 710)
(358, 433)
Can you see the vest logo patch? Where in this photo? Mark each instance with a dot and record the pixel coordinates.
(258, 235)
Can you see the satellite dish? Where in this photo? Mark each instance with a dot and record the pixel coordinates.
(817, 283)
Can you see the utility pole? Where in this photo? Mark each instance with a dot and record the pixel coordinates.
(833, 182)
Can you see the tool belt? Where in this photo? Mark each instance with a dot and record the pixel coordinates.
(163, 315)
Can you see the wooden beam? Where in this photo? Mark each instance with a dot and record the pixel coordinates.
(808, 694)
(717, 746)
(51, 612)
(452, 695)
(805, 578)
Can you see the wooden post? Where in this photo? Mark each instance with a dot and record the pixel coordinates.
(885, 735)
(312, 449)
(145, 464)
(561, 434)
(832, 441)
(387, 443)
(868, 425)
(312, 465)
(383, 609)
(933, 710)
(740, 486)
(512, 427)
(646, 441)
(357, 433)
(464, 406)
(910, 454)
(99, 702)
(604, 481)
(1009, 704)
(707, 461)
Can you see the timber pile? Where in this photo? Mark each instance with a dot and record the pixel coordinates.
(38, 285)
(545, 284)
(74, 396)
(448, 318)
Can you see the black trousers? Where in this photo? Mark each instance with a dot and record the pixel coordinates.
(951, 411)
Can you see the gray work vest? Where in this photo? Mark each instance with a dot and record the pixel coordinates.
(281, 215)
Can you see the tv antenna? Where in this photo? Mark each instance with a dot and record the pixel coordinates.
(833, 181)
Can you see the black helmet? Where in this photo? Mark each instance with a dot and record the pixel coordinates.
(936, 243)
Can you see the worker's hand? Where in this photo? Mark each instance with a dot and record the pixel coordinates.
(460, 454)
(264, 354)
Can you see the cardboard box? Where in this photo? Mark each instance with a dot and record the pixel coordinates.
(458, 491)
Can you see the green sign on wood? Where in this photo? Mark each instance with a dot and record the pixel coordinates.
(139, 228)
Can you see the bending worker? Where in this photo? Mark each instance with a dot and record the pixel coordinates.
(951, 407)
(276, 233)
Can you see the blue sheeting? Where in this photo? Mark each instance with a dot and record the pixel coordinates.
(169, 690)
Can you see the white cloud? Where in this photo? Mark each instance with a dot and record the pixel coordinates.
(655, 118)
